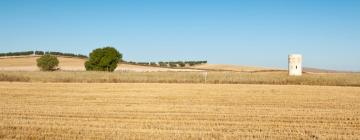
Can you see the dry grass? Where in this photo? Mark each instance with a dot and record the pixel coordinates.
(13, 78)
(224, 67)
(177, 111)
(275, 78)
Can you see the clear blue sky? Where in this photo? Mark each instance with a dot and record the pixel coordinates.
(243, 32)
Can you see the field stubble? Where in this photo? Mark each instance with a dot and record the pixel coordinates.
(177, 111)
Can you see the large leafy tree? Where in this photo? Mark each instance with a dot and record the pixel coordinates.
(103, 59)
(47, 62)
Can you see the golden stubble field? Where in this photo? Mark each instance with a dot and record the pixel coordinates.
(177, 111)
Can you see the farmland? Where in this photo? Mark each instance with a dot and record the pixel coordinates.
(273, 78)
(28, 63)
(24, 69)
(210, 101)
(179, 70)
(177, 111)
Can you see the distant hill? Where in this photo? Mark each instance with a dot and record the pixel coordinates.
(28, 63)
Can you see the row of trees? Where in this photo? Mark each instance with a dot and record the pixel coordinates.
(168, 64)
(62, 54)
(103, 59)
(17, 53)
(41, 53)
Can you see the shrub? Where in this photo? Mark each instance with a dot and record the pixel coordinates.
(103, 59)
(172, 64)
(182, 64)
(153, 64)
(47, 62)
(163, 64)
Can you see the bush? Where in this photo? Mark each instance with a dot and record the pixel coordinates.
(163, 64)
(172, 64)
(182, 64)
(153, 64)
(103, 59)
(47, 62)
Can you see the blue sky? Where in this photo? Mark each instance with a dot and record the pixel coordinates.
(242, 32)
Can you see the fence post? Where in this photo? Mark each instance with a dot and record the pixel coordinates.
(205, 76)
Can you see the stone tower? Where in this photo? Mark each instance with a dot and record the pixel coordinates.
(295, 65)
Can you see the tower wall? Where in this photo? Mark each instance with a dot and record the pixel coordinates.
(295, 65)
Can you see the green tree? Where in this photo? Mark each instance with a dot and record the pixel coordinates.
(47, 62)
(103, 59)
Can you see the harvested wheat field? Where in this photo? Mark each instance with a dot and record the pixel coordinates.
(177, 111)
(224, 67)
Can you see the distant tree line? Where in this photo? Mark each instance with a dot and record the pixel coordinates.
(63, 54)
(101, 59)
(168, 64)
(42, 53)
(17, 53)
